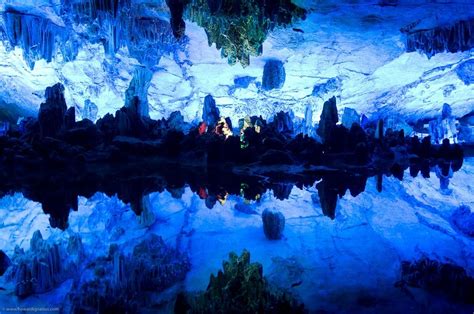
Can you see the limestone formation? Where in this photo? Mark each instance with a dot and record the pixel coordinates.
(444, 127)
(283, 124)
(238, 35)
(330, 86)
(44, 267)
(440, 38)
(239, 288)
(129, 282)
(51, 113)
(274, 75)
(444, 279)
(273, 224)
(90, 111)
(465, 71)
(4, 262)
(349, 117)
(210, 114)
(139, 88)
(328, 119)
(463, 219)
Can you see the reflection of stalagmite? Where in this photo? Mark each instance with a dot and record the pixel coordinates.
(44, 267)
(273, 223)
(4, 262)
(379, 130)
(128, 282)
(444, 173)
(328, 198)
(147, 217)
(379, 182)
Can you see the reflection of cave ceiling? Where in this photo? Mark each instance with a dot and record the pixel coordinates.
(356, 50)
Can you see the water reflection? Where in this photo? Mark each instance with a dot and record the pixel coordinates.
(58, 193)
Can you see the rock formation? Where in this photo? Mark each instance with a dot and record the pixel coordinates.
(443, 279)
(239, 28)
(273, 75)
(463, 219)
(273, 224)
(37, 35)
(440, 38)
(349, 117)
(444, 127)
(283, 124)
(90, 111)
(51, 113)
(328, 119)
(239, 288)
(129, 282)
(4, 262)
(465, 71)
(330, 86)
(210, 113)
(139, 88)
(44, 267)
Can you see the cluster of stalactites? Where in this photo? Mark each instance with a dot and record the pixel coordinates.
(115, 24)
(447, 38)
(38, 36)
(239, 28)
(119, 23)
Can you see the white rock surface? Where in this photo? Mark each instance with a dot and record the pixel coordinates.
(361, 44)
(357, 255)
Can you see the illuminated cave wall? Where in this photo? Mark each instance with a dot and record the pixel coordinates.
(355, 50)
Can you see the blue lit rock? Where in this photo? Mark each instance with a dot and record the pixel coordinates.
(432, 38)
(210, 114)
(330, 86)
(51, 113)
(4, 262)
(273, 75)
(444, 127)
(283, 123)
(129, 281)
(329, 118)
(465, 72)
(349, 117)
(139, 88)
(397, 123)
(273, 224)
(308, 127)
(44, 267)
(35, 34)
(244, 209)
(90, 111)
(243, 81)
(463, 218)
(391, 3)
(466, 128)
(176, 121)
(70, 118)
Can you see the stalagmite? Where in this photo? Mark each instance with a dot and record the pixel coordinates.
(329, 118)
(139, 88)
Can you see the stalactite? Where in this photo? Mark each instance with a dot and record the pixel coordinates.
(36, 35)
(445, 38)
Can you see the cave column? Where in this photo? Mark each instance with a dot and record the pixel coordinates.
(139, 88)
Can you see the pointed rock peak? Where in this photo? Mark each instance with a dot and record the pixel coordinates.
(328, 119)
